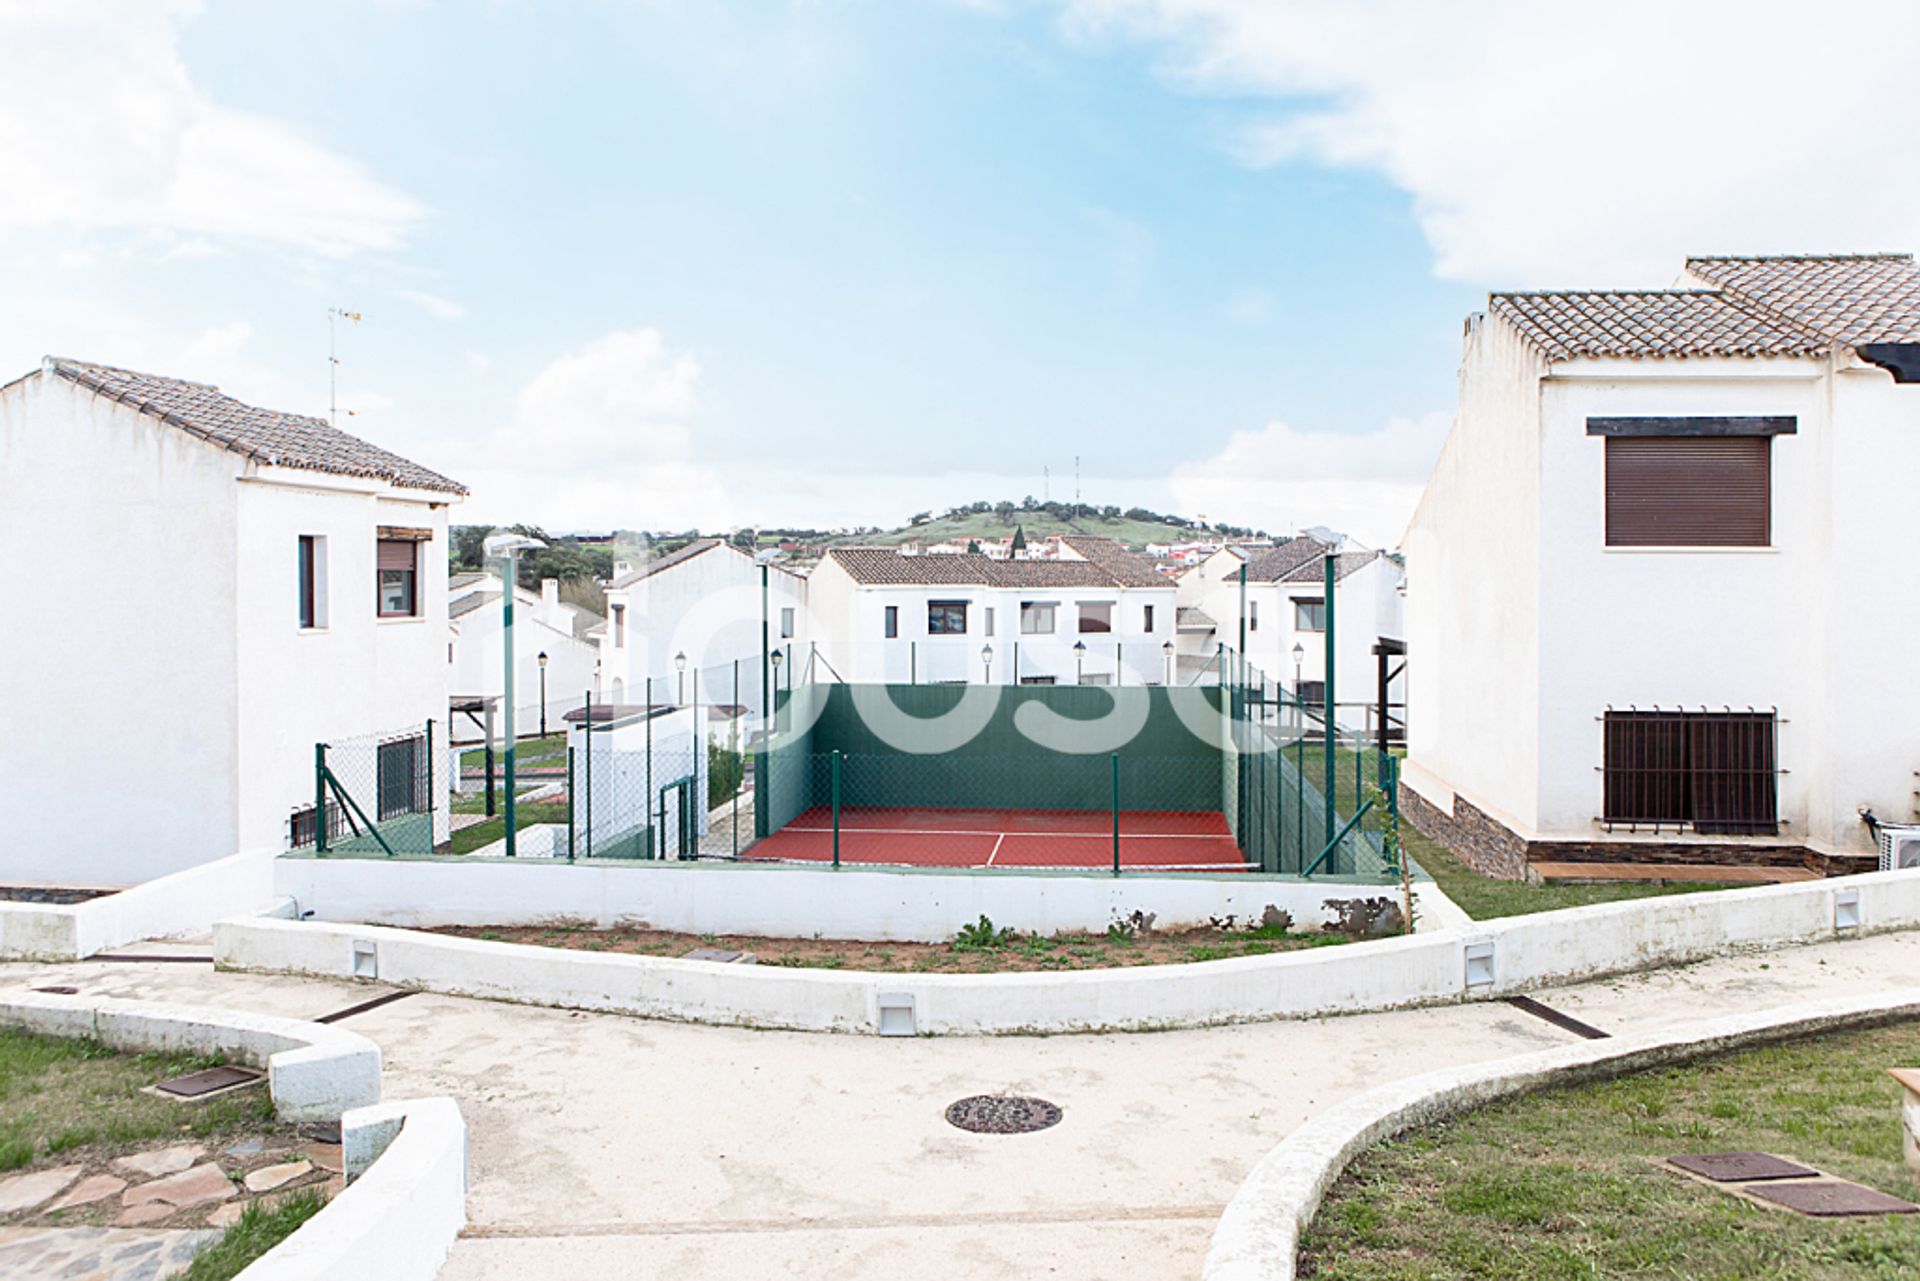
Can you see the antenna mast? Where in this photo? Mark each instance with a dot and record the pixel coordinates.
(333, 363)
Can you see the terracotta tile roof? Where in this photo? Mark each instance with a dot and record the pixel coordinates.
(1345, 563)
(1129, 569)
(1851, 299)
(1654, 323)
(883, 567)
(1272, 564)
(264, 435)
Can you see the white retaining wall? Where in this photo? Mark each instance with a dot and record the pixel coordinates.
(399, 1214)
(785, 901)
(1258, 1236)
(1488, 959)
(315, 1071)
(185, 902)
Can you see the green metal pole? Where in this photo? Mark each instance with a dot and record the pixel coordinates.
(506, 597)
(702, 769)
(766, 661)
(733, 744)
(913, 662)
(1243, 607)
(320, 799)
(430, 841)
(569, 804)
(1116, 813)
(835, 762)
(650, 768)
(1326, 702)
(589, 738)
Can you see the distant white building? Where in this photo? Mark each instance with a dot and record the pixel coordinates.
(1286, 609)
(543, 625)
(703, 601)
(1097, 614)
(1659, 599)
(274, 582)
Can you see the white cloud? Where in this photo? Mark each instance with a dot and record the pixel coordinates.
(1548, 144)
(601, 438)
(102, 128)
(1283, 478)
(434, 305)
(216, 343)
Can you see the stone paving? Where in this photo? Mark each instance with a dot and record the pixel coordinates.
(97, 1254)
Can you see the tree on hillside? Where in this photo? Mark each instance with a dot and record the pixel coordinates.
(1004, 509)
(919, 518)
(973, 547)
(1019, 539)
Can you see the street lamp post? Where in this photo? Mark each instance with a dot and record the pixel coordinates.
(507, 548)
(1299, 656)
(1167, 650)
(680, 667)
(542, 660)
(986, 661)
(1079, 662)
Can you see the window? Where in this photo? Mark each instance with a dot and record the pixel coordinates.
(893, 621)
(403, 782)
(619, 625)
(786, 622)
(1036, 617)
(311, 580)
(1096, 616)
(1309, 614)
(399, 578)
(1146, 619)
(1313, 693)
(1037, 680)
(988, 611)
(1253, 615)
(946, 617)
(1689, 491)
(1713, 771)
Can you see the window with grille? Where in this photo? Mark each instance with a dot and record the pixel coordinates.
(403, 777)
(1712, 771)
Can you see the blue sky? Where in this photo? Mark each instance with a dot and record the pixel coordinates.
(652, 264)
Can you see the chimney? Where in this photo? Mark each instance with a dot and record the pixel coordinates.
(549, 599)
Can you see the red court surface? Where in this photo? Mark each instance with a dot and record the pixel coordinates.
(1149, 839)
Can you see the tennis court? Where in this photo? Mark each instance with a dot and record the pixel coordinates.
(1149, 840)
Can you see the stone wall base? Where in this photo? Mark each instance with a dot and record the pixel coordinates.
(1491, 848)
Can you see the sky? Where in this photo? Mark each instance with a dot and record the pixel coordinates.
(661, 263)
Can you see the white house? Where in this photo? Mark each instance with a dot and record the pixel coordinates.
(542, 625)
(1285, 609)
(1658, 601)
(703, 601)
(1097, 614)
(265, 582)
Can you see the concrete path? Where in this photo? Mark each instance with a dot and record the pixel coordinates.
(612, 1146)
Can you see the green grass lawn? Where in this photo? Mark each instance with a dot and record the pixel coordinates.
(525, 814)
(1484, 897)
(1559, 1184)
(543, 753)
(260, 1227)
(69, 1099)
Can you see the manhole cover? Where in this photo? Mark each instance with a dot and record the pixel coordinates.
(1003, 1114)
(1739, 1167)
(195, 1084)
(1832, 1198)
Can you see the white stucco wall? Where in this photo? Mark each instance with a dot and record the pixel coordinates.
(122, 698)
(478, 655)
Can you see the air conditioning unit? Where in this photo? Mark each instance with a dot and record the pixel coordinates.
(1899, 846)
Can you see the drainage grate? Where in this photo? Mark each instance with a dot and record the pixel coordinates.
(1832, 1198)
(1003, 1114)
(195, 1084)
(59, 989)
(1740, 1167)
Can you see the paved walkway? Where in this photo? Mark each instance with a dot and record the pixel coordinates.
(609, 1146)
(94, 1254)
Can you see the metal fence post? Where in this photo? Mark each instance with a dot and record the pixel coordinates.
(320, 799)
(430, 841)
(589, 739)
(1327, 709)
(1116, 813)
(835, 763)
(569, 803)
(913, 662)
(648, 799)
(740, 761)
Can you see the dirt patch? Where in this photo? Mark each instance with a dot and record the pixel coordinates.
(977, 951)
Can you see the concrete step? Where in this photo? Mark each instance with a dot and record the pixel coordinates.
(1668, 874)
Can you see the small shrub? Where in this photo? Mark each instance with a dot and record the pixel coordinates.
(982, 936)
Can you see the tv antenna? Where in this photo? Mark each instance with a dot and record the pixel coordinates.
(333, 363)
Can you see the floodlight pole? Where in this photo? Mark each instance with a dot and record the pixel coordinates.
(507, 547)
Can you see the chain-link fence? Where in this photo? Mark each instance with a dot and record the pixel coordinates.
(373, 794)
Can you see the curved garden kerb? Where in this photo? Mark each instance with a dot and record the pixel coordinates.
(1258, 1236)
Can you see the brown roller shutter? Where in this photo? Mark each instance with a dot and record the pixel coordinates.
(1688, 491)
(396, 554)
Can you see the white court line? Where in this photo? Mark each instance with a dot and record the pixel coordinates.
(994, 853)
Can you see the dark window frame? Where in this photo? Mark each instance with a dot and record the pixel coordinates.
(1093, 626)
(410, 578)
(309, 588)
(1310, 604)
(1032, 608)
(1714, 772)
(890, 622)
(946, 618)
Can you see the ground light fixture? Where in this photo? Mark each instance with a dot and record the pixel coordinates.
(507, 548)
